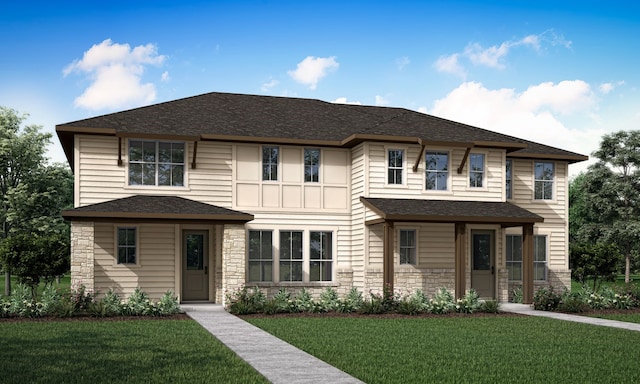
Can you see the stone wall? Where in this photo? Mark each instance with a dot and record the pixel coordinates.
(82, 254)
(559, 280)
(233, 259)
(428, 281)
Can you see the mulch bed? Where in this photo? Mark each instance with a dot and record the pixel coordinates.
(391, 315)
(179, 316)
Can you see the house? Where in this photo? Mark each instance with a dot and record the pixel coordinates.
(206, 194)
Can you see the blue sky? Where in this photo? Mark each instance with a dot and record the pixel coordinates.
(561, 73)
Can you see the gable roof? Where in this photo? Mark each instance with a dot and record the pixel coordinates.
(155, 208)
(448, 211)
(285, 120)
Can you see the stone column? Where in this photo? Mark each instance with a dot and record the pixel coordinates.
(82, 259)
(233, 259)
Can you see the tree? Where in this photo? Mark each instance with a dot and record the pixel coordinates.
(594, 261)
(22, 154)
(609, 208)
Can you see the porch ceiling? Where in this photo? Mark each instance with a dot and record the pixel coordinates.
(447, 211)
(155, 208)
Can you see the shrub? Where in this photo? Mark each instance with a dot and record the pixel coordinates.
(352, 302)
(50, 300)
(304, 302)
(280, 303)
(329, 300)
(21, 302)
(112, 303)
(516, 295)
(137, 304)
(546, 299)
(572, 302)
(442, 302)
(413, 304)
(167, 305)
(489, 306)
(373, 305)
(244, 302)
(469, 303)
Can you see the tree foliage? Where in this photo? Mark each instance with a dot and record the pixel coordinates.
(606, 199)
(595, 262)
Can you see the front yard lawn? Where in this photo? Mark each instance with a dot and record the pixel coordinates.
(628, 317)
(133, 351)
(464, 349)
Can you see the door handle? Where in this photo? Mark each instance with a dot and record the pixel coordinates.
(206, 270)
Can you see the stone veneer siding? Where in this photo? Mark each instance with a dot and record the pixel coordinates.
(559, 280)
(233, 259)
(82, 254)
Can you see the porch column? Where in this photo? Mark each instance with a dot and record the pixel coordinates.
(460, 253)
(527, 264)
(233, 259)
(387, 262)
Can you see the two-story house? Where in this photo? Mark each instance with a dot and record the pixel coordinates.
(206, 194)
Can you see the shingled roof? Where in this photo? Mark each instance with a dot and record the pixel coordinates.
(238, 117)
(447, 211)
(155, 208)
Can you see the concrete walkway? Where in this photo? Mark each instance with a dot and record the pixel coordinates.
(276, 360)
(525, 309)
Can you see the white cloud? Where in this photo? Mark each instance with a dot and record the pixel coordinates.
(530, 114)
(116, 73)
(451, 65)
(402, 62)
(605, 88)
(381, 101)
(310, 70)
(165, 77)
(268, 85)
(343, 100)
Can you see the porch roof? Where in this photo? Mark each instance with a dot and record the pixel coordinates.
(449, 211)
(153, 208)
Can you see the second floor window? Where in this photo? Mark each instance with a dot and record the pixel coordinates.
(476, 170)
(437, 171)
(270, 163)
(395, 166)
(311, 165)
(543, 181)
(156, 163)
(509, 180)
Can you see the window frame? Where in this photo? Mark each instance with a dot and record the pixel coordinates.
(395, 168)
(514, 239)
(482, 172)
(260, 260)
(136, 246)
(543, 182)
(157, 163)
(273, 169)
(436, 152)
(536, 251)
(291, 261)
(311, 166)
(414, 231)
(321, 260)
(508, 179)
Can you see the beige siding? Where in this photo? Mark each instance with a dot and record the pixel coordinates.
(553, 211)
(357, 255)
(155, 272)
(101, 179)
(414, 182)
(290, 192)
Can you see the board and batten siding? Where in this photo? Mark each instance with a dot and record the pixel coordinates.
(290, 192)
(155, 272)
(414, 185)
(99, 178)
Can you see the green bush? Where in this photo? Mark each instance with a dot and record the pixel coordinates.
(442, 302)
(546, 299)
(572, 302)
(352, 302)
(329, 300)
(243, 301)
(516, 295)
(373, 305)
(489, 306)
(469, 303)
(413, 304)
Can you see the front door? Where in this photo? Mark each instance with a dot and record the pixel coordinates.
(483, 263)
(195, 265)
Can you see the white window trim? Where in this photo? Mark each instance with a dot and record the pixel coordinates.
(397, 247)
(306, 255)
(485, 178)
(449, 190)
(115, 246)
(554, 192)
(184, 187)
(404, 166)
(304, 166)
(248, 259)
(278, 166)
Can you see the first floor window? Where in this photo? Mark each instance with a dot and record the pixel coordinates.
(514, 257)
(320, 256)
(270, 163)
(260, 256)
(395, 166)
(156, 163)
(127, 249)
(290, 256)
(408, 246)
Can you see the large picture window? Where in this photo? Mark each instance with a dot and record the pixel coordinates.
(127, 245)
(544, 173)
(156, 163)
(437, 171)
(260, 256)
(290, 256)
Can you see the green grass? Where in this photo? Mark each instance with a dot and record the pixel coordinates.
(138, 351)
(65, 284)
(628, 317)
(461, 350)
(618, 282)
